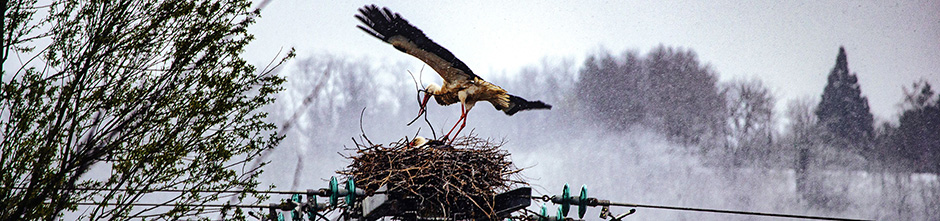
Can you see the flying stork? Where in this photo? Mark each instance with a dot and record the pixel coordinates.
(460, 84)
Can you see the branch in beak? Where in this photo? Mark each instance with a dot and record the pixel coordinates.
(424, 105)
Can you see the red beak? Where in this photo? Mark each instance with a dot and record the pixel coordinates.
(424, 106)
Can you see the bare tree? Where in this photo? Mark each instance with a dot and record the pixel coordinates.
(751, 117)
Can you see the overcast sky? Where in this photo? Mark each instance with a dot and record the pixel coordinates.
(790, 45)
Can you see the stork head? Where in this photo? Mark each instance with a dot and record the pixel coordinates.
(418, 142)
(434, 88)
(431, 90)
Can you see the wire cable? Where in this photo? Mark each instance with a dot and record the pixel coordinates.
(317, 191)
(732, 212)
(179, 190)
(543, 198)
(595, 202)
(173, 205)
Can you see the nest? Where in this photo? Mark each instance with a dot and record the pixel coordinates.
(457, 181)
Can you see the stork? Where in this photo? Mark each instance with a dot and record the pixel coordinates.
(460, 84)
(419, 142)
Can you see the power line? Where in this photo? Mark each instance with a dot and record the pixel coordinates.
(279, 206)
(732, 212)
(596, 202)
(174, 190)
(599, 203)
(175, 205)
(186, 191)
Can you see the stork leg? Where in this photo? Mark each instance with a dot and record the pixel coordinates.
(462, 125)
(463, 118)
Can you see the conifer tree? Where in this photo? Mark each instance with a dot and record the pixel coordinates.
(918, 136)
(843, 111)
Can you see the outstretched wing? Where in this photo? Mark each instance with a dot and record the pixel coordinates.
(391, 28)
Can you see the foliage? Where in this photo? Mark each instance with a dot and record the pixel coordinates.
(684, 95)
(917, 137)
(611, 90)
(152, 95)
(667, 89)
(843, 111)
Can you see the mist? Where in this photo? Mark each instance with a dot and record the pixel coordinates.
(637, 162)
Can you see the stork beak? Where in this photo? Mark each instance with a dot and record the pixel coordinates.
(424, 106)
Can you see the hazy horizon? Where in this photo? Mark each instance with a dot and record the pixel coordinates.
(791, 46)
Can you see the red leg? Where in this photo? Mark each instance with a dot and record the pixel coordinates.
(463, 114)
(462, 125)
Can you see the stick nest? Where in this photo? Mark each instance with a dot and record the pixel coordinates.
(457, 181)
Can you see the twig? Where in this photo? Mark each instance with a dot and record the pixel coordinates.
(456, 182)
(361, 113)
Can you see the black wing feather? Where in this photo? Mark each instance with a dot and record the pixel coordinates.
(517, 104)
(384, 24)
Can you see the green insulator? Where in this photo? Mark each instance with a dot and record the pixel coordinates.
(312, 207)
(544, 214)
(295, 214)
(334, 191)
(566, 200)
(312, 201)
(582, 202)
(296, 198)
(350, 192)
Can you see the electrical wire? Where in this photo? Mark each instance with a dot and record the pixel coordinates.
(178, 190)
(253, 206)
(608, 204)
(173, 205)
(731, 212)
(595, 202)
(198, 191)
(599, 202)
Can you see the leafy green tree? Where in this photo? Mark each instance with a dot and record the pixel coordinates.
(843, 111)
(153, 94)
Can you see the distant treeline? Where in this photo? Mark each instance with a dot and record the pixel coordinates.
(670, 91)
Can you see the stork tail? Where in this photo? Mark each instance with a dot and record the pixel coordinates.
(517, 104)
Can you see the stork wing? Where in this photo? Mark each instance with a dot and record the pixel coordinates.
(391, 28)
